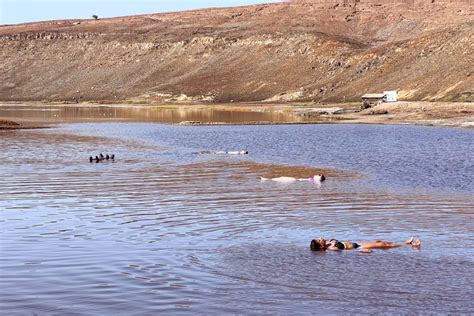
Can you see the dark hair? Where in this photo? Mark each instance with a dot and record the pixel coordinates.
(315, 245)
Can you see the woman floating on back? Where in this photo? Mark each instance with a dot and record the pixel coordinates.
(322, 244)
(316, 178)
(222, 152)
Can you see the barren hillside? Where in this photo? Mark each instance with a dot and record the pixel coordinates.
(302, 50)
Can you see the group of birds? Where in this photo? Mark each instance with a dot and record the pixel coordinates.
(101, 157)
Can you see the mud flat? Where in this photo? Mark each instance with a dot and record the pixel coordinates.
(454, 114)
(4, 124)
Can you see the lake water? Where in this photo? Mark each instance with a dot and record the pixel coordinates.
(140, 113)
(164, 229)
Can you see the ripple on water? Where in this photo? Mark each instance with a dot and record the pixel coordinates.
(202, 234)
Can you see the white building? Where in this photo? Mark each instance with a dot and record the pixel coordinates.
(390, 96)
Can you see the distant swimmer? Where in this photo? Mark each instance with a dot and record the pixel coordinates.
(240, 152)
(101, 157)
(316, 178)
(221, 152)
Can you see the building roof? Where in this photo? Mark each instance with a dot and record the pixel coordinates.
(373, 96)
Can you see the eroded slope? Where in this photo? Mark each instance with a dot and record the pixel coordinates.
(304, 50)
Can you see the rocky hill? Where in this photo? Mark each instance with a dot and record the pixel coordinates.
(323, 50)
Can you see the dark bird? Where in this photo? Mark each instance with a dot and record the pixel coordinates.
(97, 159)
(101, 156)
(112, 157)
(91, 159)
(107, 157)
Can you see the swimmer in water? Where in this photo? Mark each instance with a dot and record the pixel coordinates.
(101, 157)
(316, 179)
(321, 244)
(240, 152)
(221, 152)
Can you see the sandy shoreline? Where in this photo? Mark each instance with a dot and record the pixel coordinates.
(450, 114)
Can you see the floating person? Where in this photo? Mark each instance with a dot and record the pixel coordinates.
(240, 152)
(221, 152)
(321, 244)
(316, 179)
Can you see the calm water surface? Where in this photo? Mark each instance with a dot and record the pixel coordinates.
(140, 113)
(163, 229)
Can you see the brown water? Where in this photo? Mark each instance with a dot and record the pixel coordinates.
(163, 114)
(163, 229)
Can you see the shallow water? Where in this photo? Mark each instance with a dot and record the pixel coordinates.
(163, 114)
(163, 229)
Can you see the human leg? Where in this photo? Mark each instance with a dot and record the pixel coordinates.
(378, 244)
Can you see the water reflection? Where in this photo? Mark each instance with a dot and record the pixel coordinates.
(163, 114)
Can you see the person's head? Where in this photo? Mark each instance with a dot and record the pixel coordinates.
(318, 244)
(319, 178)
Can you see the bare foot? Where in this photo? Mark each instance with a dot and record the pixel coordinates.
(409, 241)
(365, 251)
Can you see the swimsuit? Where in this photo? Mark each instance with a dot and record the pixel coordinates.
(350, 245)
(342, 245)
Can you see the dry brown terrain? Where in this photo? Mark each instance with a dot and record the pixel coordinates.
(455, 114)
(333, 50)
